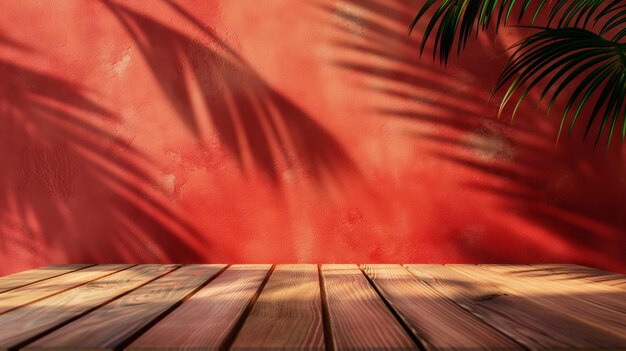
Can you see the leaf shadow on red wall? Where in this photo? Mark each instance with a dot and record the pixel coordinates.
(258, 125)
(71, 189)
(572, 191)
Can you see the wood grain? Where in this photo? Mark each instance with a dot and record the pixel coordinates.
(383, 307)
(206, 320)
(603, 306)
(31, 321)
(24, 278)
(287, 314)
(437, 321)
(358, 318)
(18, 297)
(108, 327)
(516, 313)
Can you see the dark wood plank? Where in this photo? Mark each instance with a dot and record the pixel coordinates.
(437, 321)
(358, 317)
(108, 327)
(287, 314)
(515, 314)
(600, 305)
(24, 278)
(31, 321)
(18, 297)
(207, 319)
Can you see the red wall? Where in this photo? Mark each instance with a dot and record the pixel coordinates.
(280, 131)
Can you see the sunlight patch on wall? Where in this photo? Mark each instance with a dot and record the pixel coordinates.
(122, 64)
(488, 144)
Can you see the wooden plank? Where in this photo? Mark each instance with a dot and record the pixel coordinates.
(287, 314)
(574, 274)
(357, 316)
(18, 297)
(24, 278)
(108, 327)
(24, 324)
(600, 305)
(438, 322)
(208, 319)
(514, 314)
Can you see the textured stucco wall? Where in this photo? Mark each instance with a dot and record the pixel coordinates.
(280, 131)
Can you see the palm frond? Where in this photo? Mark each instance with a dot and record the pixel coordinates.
(580, 42)
(584, 13)
(566, 57)
(457, 20)
(454, 21)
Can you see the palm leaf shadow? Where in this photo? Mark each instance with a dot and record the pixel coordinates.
(578, 207)
(258, 125)
(55, 145)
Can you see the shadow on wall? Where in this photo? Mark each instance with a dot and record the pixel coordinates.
(571, 191)
(259, 126)
(58, 159)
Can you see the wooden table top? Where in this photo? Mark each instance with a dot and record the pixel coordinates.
(312, 307)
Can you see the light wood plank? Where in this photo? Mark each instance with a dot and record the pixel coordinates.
(206, 320)
(288, 313)
(574, 274)
(602, 306)
(24, 278)
(358, 318)
(108, 327)
(18, 297)
(437, 321)
(31, 321)
(516, 315)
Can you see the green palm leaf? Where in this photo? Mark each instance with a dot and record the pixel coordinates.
(454, 21)
(565, 55)
(581, 43)
(459, 19)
